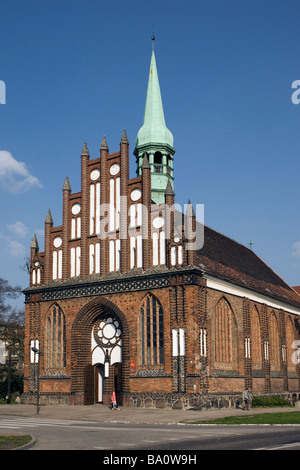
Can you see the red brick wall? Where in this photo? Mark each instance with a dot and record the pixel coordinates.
(186, 304)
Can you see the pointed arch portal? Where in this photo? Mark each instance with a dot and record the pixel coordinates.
(99, 352)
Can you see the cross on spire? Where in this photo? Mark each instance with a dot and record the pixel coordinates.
(153, 38)
(251, 243)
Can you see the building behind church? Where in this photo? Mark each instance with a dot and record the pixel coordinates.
(125, 297)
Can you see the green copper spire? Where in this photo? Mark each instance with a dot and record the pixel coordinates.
(155, 138)
(154, 129)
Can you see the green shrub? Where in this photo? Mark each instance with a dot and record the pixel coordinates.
(16, 385)
(269, 402)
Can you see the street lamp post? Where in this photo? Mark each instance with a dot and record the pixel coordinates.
(9, 378)
(39, 353)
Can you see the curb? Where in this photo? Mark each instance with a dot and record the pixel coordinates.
(26, 446)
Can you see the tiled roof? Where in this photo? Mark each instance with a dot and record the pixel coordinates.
(227, 259)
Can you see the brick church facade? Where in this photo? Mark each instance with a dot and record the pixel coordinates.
(122, 297)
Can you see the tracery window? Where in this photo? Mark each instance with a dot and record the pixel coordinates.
(223, 332)
(274, 343)
(55, 339)
(290, 338)
(151, 331)
(256, 344)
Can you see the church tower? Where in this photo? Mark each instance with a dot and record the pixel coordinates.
(155, 139)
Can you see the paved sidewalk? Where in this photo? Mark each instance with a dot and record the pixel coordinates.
(102, 413)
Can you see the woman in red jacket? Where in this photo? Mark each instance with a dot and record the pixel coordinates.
(114, 401)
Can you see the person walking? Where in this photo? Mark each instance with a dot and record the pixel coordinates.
(246, 397)
(114, 405)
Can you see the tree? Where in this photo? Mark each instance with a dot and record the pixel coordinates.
(7, 312)
(11, 320)
(12, 334)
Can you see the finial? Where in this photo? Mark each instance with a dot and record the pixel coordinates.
(153, 37)
(104, 145)
(49, 219)
(189, 209)
(124, 139)
(34, 243)
(85, 150)
(67, 186)
(169, 189)
(146, 163)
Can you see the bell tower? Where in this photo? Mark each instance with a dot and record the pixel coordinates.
(155, 139)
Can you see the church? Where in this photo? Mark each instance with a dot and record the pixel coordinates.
(134, 295)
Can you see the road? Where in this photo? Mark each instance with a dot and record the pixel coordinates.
(65, 434)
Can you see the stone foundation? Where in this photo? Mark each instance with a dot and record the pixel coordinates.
(184, 401)
(196, 401)
(173, 401)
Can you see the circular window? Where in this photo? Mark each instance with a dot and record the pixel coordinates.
(57, 242)
(136, 194)
(76, 209)
(114, 169)
(95, 174)
(158, 222)
(108, 332)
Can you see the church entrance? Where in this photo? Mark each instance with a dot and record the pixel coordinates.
(100, 391)
(100, 359)
(98, 388)
(105, 373)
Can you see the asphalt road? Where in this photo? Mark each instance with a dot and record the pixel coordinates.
(64, 434)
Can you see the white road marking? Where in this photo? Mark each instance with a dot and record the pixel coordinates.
(283, 446)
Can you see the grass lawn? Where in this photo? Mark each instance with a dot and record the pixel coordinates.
(292, 417)
(11, 442)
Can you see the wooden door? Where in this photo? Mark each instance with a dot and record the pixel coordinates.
(89, 385)
(118, 382)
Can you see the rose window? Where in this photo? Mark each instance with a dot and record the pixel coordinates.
(108, 333)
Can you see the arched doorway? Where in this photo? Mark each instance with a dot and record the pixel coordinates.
(106, 347)
(100, 353)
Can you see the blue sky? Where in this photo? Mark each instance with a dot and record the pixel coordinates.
(77, 70)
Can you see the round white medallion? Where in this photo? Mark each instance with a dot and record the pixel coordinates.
(114, 169)
(136, 194)
(76, 209)
(95, 174)
(57, 242)
(158, 222)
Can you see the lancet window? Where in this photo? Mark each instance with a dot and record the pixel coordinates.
(151, 331)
